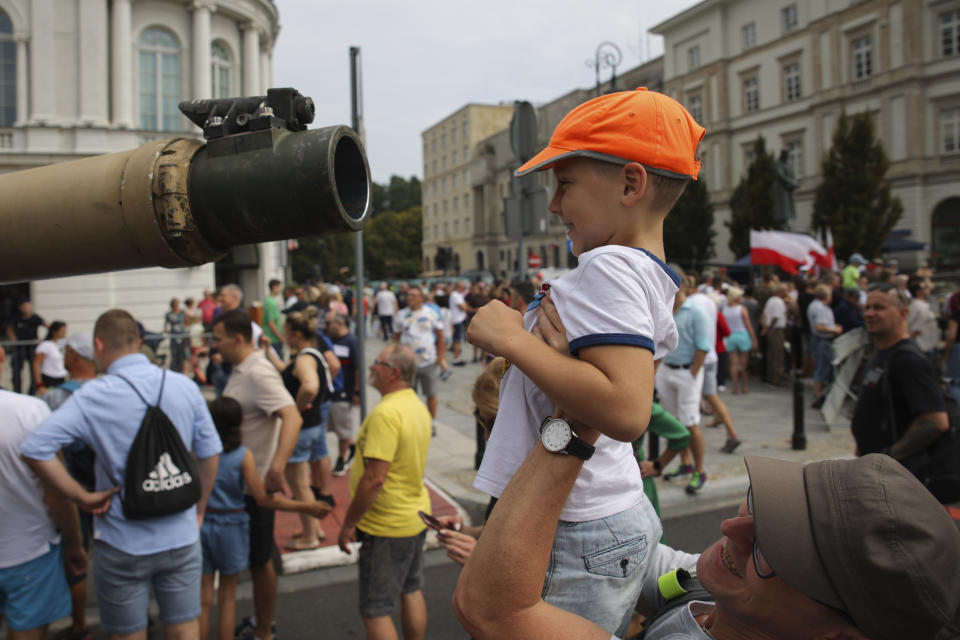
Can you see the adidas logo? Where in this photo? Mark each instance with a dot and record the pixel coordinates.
(166, 476)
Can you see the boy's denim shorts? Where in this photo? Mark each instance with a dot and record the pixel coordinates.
(123, 584)
(226, 543)
(597, 567)
(388, 568)
(35, 593)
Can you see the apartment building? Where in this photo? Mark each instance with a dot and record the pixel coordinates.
(448, 218)
(786, 70)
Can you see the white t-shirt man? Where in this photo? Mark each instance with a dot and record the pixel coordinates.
(617, 295)
(819, 313)
(386, 302)
(418, 330)
(26, 530)
(457, 314)
(775, 309)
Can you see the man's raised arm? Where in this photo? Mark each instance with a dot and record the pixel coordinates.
(498, 594)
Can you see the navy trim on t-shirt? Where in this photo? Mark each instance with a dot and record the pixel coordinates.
(677, 280)
(593, 340)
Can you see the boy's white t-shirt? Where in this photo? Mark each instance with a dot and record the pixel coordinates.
(616, 296)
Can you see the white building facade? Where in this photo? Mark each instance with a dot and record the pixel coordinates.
(86, 77)
(786, 70)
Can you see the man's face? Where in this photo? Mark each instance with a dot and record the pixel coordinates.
(229, 300)
(26, 309)
(227, 345)
(882, 316)
(727, 570)
(414, 299)
(584, 201)
(334, 327)
(382, 374)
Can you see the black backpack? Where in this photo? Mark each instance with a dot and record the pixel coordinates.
(161, 477)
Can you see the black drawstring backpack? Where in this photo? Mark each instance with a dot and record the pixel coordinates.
(161, 476)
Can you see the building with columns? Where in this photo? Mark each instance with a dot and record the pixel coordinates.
(786, 70)
(86, 77)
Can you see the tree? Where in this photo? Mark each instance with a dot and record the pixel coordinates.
(854, 200)
(688, 229)
(751, 205)
(398, 195)
(391, 244)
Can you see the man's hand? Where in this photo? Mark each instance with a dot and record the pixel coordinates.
(273, 481)
(492, 326)
(74, 559)
(320, 509)
(459, 546)
(347, 535)
(96, 502)
(647, 470)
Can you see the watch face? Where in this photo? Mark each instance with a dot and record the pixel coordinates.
(556, 435)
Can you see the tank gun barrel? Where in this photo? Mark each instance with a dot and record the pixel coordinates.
(181, 202)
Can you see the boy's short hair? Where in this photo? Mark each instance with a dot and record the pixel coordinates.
(628, 126)
(236, 322)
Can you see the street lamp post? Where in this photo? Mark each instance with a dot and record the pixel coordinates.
(607, 55)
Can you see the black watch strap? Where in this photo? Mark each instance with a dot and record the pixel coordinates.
(579, 448)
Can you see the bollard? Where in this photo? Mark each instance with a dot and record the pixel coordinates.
(799, 437)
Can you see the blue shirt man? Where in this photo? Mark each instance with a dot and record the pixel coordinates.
(105, 414)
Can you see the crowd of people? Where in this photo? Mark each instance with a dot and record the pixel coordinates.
(179, 488)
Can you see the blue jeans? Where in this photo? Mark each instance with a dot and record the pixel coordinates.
(597, 568)
(823, 359)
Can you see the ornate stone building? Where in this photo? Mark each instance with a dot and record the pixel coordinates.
(85, 77)
(786, 70)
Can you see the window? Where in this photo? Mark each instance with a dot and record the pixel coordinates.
(950, 33)
(791, 81)
(789, 17)
(466, 201)
(749, 155)
(443, 162)
(443, 182)
(159, 59)
(950, 130)
(466, 177)
(456, 203)
(456, 227)
(693, 58)
(751, 94)
(435, 210)
(221, 66)
(443, 141)
(695, 105)
(945, 235)
(453, 135)
(445, 208)
(749, 32)
(795, 159)
(466, 225)
(433, 145)
(456, 157)
(466, 130)
(436, 232)
(862, 58)
(453, 181)
(433, 168)
(446, 229)
(8, 72)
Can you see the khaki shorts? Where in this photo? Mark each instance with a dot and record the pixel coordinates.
(341, 420)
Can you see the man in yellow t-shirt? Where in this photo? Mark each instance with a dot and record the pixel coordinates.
(387, 490)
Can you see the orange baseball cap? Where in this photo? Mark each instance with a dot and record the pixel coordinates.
(628, 126)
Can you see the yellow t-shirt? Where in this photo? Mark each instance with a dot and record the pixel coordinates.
(398, 431)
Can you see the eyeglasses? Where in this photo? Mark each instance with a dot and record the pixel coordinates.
(382, 363)
(760, 564)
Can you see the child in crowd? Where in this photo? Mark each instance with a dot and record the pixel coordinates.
(225, 535)
(620, 163)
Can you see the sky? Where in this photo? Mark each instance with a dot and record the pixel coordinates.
(421, 60)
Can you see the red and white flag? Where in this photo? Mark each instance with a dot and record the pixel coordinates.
(792, 252)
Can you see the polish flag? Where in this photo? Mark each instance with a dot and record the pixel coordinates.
(792, 252)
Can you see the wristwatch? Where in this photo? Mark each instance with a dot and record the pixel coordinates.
(557, 437)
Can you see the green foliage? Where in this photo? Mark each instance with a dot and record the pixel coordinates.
(399, 195)
(854, 199)
(391, 239)
(751, 205)
(688, 229)
(391, 244)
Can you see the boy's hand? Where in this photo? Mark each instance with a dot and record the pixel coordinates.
(320, 510)
(492, 326)
(550, 328)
